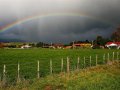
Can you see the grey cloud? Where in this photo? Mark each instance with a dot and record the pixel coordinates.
(62, 29)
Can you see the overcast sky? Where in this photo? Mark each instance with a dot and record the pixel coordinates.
(101, 18)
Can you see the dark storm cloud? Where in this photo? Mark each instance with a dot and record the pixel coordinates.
(103, 18)
(62, 30)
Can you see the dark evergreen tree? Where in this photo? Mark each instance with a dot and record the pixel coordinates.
(116, 35)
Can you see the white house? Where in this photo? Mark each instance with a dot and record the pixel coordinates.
(25, 46)
(113, 44)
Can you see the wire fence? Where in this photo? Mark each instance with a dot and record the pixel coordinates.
(30, 70)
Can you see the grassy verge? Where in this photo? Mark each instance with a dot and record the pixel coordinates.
(102, 77)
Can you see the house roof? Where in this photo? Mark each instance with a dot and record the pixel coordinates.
(116, 43)
(58, 44)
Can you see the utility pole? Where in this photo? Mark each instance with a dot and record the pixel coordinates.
(92, 43)
(51, 44)
(73, 44)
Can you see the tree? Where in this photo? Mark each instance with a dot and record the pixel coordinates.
(100, 40)
(86, 41)
(116, 35)
(40, 44)
(32, 44)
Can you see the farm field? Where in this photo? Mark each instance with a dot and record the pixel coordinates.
(28, 58)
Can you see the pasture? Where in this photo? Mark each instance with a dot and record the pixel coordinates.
(28, 58)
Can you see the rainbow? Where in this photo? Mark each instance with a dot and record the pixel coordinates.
(27, 19)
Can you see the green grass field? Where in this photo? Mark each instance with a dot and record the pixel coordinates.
(28, 60)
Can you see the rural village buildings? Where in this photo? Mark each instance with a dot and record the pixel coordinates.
(78, 45)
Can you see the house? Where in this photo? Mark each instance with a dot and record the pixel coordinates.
(58, 45)
(1, 45)
(113, 44)
(85, 45)
(67, 47)
(25, 46)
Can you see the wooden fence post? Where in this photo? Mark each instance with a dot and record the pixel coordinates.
(4, 75)
(38, 70)
(4, 70)
(108, 57)
(62, 64)
(117, 55)
(104, 59)
(113, 56)
(84, 62)
(90, 61)
(78, 63)
(0, 77)
(51, 67)
(96, 60)
(18, 77)
(68, 65)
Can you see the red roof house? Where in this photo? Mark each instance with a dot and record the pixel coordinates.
(113, 44)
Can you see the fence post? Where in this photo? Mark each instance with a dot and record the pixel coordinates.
(4, 70)
(51, 67)
(78, 63)
(4, 75)
(84, 62)
(0, 77)
(18, 77)
(90, 61)
(108, 57)
(117, 55)
(104, 59)
(68, 65)
(113, 56)
(38, 70)
(62, 63)
(96, 60)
